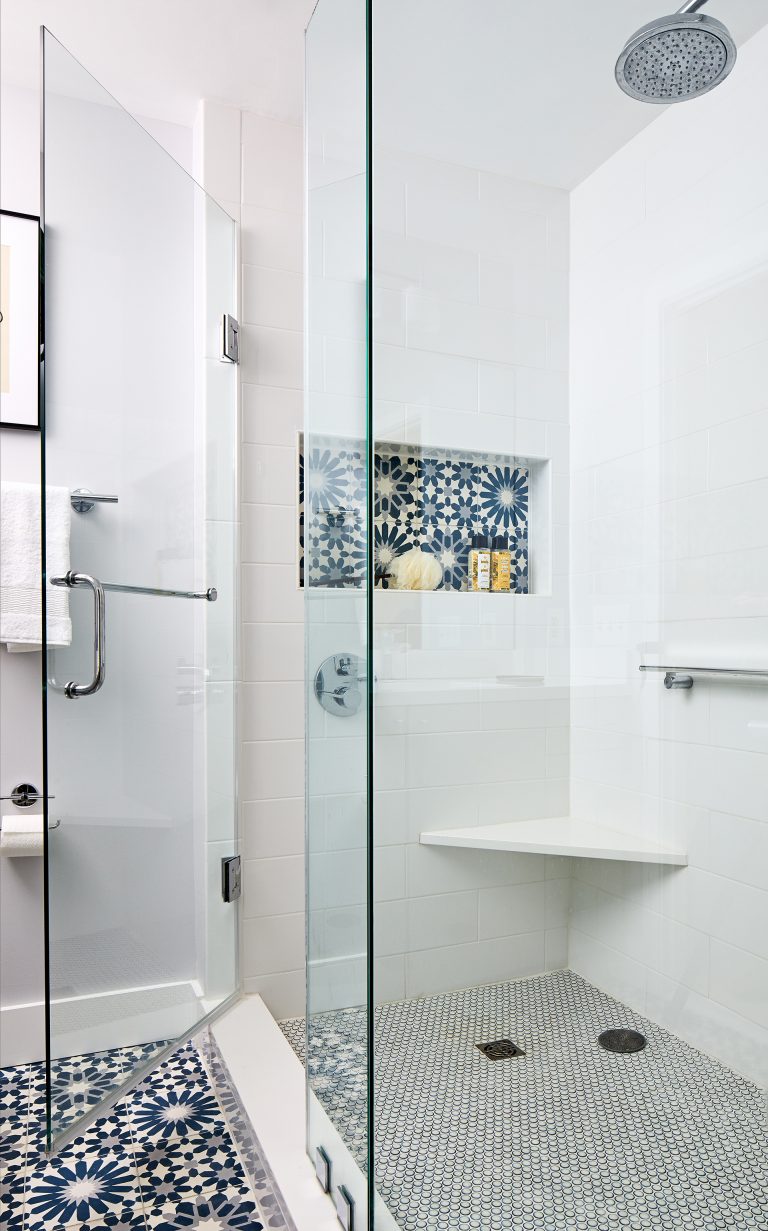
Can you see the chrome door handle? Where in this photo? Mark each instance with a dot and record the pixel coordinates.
(73, 690)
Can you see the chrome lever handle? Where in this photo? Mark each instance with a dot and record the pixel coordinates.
(73, 690)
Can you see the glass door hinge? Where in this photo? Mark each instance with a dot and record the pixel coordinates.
(230, 878)
(230, 339)
(345, 1208)
(323, 1169)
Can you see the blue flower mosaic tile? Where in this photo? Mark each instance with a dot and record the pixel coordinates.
(178, 1152)
(433, 500)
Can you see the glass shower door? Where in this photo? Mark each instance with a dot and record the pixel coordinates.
(335, 574)
(139, 470)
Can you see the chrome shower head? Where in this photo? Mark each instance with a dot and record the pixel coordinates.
(676, 58)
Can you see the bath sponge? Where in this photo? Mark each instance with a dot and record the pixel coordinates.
(415, 570)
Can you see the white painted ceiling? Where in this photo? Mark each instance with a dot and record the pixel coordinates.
(522, 86)
(159, 57)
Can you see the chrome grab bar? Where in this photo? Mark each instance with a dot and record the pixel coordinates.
(73, 690)
(682, 677)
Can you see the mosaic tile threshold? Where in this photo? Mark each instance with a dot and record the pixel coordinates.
(568, 1137)
(178, 1152)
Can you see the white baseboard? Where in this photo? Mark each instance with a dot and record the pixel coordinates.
(22, 1034)
(99, 1021)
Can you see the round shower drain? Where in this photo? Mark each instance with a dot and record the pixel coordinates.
(622, 1041)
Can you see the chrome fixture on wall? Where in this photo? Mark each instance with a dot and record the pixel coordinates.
(83, 501)
(338, 682)
(675, 58)
(24, 796)
(682, 677)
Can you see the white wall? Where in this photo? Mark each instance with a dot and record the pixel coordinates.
(272, 648)
(669, 351)
(21, 881)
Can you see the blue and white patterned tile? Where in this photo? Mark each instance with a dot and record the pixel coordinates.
(503, 497)
(175, 1114)
(433, 508)
(82, 1184)
(213, 1212)
(182, 1069)
(434, 500)
(394, 485)
(462, 475)
(12, 1080)
(431, 472)
(462, 511)
(109, 1222)
(12, 1198)
(326, 479)
(15, 1131)
(79, 1083)
(390, 541)
(189, 1168)
(452, 550)
(169, 1145)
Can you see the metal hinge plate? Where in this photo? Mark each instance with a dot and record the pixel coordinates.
(230, 338)
(345, 1208)
(230, 878)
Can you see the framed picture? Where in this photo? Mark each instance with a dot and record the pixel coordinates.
(20, 332)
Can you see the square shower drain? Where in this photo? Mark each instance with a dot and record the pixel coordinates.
(500, 1049)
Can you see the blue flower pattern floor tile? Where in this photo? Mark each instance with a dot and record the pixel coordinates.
(433, 500)
(164, 1159)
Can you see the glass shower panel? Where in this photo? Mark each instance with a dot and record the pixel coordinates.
(139, 409)
(570, 827)
(333, 570)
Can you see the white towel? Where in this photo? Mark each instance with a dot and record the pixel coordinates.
(21, 567)
(21, 835)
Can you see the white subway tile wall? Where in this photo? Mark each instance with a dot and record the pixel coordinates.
(669, 422)
(272, 609)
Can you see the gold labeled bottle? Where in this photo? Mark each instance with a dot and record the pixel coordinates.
(480, 563)
(501, 565)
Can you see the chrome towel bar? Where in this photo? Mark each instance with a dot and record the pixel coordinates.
(682, 677)
(209, 595)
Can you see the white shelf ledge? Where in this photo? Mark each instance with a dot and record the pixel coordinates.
(557, 835)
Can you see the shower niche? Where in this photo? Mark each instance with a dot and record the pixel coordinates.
(433, 500)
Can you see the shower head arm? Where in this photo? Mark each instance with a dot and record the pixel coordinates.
(692, 6)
